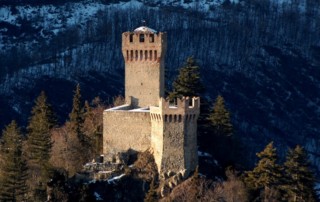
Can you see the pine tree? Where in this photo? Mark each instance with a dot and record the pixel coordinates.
(188, 82)
(40, 123)
(266, 177)
(39, 146)
(220, 118)
(78, 141)
(76, 115)
(13, 167)
(300, 181)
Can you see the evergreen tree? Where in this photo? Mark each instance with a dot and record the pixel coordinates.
(188, 82)
(300, 181)
(13, 167)
(78, 141)
(76, 115)
(266, 177)
(40, 123)
(220, 118)
(39, 147)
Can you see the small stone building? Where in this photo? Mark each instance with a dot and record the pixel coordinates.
(147, 120)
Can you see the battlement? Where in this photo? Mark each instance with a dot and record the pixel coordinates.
(183, 109)
(148, 37)
(144, 44)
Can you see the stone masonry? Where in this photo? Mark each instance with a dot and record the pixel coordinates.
(147, 120)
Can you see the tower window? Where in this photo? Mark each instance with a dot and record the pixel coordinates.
(151, 38)
(136, 58)
(131, 55)
(131, 38)
(141, 54)
(150, 54)
(127, 55)
(141, 38)
(146, 55)
(155, 55)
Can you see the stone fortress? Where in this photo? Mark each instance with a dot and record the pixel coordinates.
(148, 121)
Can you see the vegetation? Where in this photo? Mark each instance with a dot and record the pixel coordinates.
(39, 145)
(265, 178)
(49, 153)
(13, 167)
(220, 118)
(269, 181)
(151, 196)
(187, 83)
(292, 181)
(76, 115)
(299, 180)
(82, 132)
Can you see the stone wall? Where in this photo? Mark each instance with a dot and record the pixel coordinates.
(173, 147)
(190, 144)
(123, 130)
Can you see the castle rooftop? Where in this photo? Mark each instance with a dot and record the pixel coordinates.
(145, 29)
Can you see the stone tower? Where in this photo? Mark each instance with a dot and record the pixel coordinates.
(144, 52)
(147, 120)
(174, 135)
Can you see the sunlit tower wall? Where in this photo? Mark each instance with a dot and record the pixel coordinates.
(174, 135)
(144, 52)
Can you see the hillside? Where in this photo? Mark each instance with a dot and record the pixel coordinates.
(263, 57)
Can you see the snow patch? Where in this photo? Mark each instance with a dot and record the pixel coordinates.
(146, 109)
(112, 180)
(145, 29)
(106, 172)
(129, 5)
(98, 197)
(204, 154)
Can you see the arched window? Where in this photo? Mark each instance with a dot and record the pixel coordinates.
(141, 55)
(155, 55)
(150, 54)
(136, 58)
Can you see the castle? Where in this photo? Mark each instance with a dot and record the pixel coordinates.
(147, 120)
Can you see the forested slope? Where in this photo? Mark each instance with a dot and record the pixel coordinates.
(262, 56)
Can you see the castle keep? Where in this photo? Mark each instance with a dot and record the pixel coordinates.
(147, 120)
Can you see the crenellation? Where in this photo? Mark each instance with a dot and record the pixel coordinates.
(182, 107)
